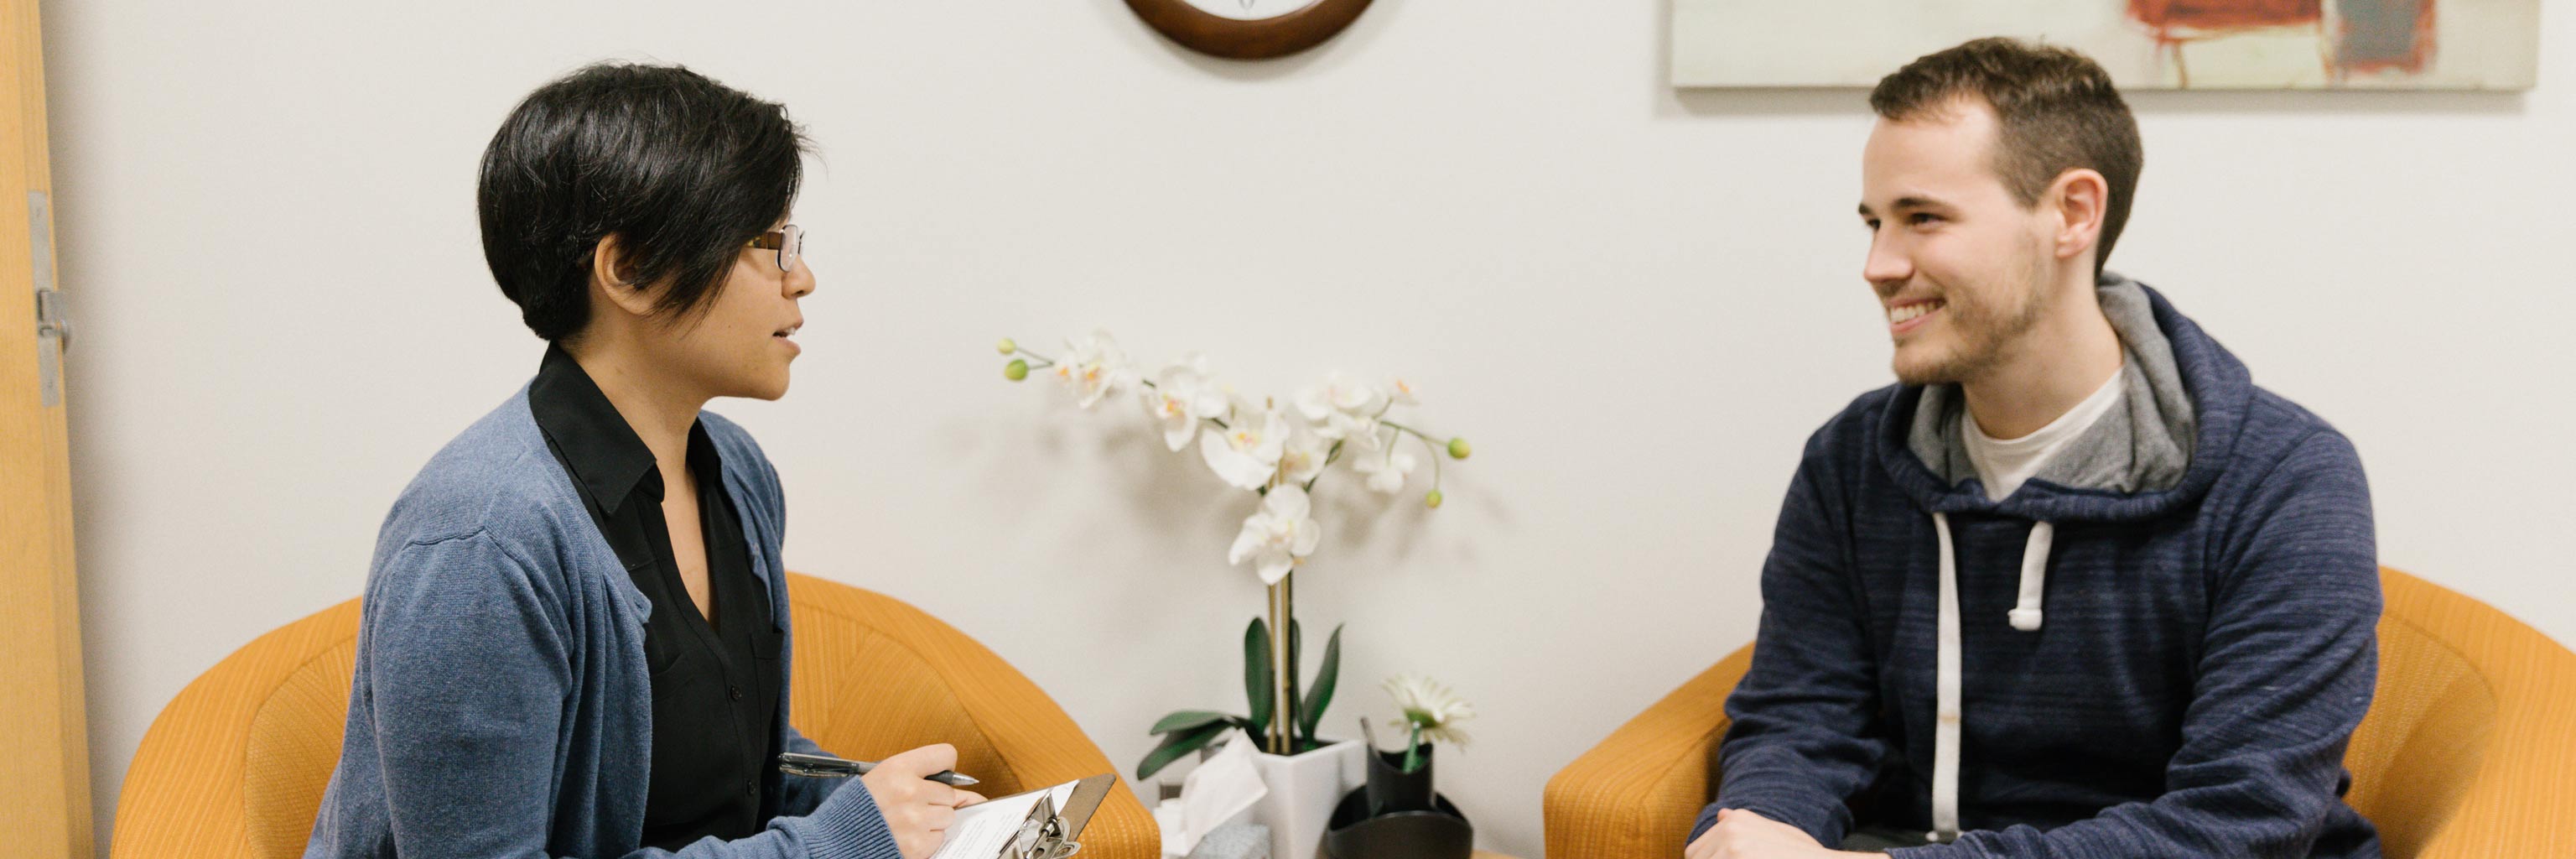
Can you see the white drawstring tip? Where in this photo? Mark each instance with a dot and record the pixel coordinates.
(2034, 576)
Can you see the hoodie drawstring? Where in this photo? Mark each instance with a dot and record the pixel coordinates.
(1945, 727)
(2025, 616)
(2034, 575)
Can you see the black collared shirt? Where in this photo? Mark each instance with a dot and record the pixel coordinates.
(715, 686)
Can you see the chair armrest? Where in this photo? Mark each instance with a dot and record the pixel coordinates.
(1041, 744)
(1635, 795)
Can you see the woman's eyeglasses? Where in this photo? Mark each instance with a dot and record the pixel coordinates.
(788, 241)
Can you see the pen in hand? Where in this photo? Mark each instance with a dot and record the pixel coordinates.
(826, 766)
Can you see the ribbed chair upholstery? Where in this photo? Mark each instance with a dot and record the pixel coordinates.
(234, 768)
(2469, 749)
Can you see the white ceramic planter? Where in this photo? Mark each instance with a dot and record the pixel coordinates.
(1303, 791)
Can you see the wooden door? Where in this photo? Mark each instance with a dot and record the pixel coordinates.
(44, 744)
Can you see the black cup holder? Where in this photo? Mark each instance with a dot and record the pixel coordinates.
(1439, 834)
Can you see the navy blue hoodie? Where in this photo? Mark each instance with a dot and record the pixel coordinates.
(2161, 656)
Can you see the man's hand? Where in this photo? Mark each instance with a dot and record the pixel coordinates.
(1741, 834)
(917, 809)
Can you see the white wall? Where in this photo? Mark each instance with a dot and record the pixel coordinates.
(1636, 303)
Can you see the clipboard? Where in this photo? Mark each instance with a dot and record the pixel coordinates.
(1047, 831)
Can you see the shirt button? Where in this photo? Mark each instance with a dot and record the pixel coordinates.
(735, 691)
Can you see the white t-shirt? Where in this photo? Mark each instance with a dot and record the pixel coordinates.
(2004, 465)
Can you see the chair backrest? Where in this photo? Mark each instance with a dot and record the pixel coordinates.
(875, 676)
(235, 766)
(2468, 742)
(191, 788)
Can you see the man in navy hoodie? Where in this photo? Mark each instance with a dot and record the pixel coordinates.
(2074, 587)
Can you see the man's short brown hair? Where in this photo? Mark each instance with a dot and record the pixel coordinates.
(2055, 109)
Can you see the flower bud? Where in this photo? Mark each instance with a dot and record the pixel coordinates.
(1016, 370)
(1009, 346)
(1432, 500)
(1458, 448)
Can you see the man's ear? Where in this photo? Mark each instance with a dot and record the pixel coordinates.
(608, 270)
(2080, 198)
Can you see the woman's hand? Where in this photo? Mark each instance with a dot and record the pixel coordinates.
(917, 809)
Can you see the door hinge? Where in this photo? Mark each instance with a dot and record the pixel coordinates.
(50, 318)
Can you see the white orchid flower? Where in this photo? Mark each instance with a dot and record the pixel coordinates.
(1342, 394)
(1344, 409)
(1182, 397)
(1346, 426)
(1431, 707)
(1094, 367)
(1386, 473)
(1246, 453)
(1304, 457)
(1278, 537)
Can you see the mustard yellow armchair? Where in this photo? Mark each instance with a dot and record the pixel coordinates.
(2469, 750)
(234, 768)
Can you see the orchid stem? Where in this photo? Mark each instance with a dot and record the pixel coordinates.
(1425, 437)
(1435, 463)
(1329, 457)
(1436, 451)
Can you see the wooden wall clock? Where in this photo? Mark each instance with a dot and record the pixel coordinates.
(1248, 29)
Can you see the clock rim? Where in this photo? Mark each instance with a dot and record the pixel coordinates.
(1232, 38)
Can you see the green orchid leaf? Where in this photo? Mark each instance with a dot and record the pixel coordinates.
(1321, 695)
(1177, 745)
(1184, 720)
(1256, 671)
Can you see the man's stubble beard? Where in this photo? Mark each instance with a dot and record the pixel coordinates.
(1983, 333)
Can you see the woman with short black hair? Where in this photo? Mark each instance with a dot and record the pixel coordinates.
(574, 639)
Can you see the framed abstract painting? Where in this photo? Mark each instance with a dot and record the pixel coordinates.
(2146, 44)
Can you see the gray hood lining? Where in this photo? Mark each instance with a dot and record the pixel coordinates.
(2147, 451)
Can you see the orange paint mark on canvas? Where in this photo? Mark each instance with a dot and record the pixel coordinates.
(2173, 22)
(2216, 15)
(2369, 36)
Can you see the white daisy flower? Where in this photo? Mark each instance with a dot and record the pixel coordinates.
(1434, 710)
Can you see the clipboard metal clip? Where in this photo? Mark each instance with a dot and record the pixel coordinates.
(1041, 836)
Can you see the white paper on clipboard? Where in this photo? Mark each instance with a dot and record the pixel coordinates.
(982, 830)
